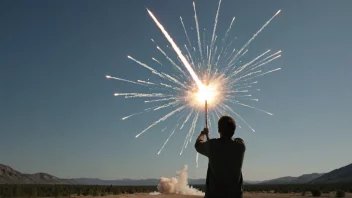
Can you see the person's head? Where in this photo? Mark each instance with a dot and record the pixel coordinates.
(227, 126)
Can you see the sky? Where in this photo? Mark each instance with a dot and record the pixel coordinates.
(58, 114)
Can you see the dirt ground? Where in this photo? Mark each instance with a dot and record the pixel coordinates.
(247, 195)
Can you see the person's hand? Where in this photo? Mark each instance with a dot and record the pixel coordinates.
(205, 131)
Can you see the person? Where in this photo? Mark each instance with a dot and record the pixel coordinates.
(224, 174)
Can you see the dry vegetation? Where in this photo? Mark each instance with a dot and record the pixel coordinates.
(247, 195)
(94, 191)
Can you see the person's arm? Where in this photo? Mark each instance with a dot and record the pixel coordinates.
(201, 145)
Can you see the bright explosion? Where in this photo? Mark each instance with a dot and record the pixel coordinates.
(206, 93)
(228, 77)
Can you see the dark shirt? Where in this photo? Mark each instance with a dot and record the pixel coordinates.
(224, 175)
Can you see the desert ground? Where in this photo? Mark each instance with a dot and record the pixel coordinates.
(247, 195)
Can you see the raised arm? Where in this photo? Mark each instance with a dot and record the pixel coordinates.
(201, 145)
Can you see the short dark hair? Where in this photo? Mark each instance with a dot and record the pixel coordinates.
(227, 126)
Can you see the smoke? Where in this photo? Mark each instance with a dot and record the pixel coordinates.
(178, 185)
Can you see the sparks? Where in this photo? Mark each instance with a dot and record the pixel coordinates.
(216, 72)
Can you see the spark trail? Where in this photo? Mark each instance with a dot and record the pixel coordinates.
(183, 25)
(213, 36)
(167, 140)
(177, 50)
(120, 79)
(212, 69)
(197, 26)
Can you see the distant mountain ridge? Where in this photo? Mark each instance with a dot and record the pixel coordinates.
(306, 178)
(343, 174)
(10, 176)
(118, 182)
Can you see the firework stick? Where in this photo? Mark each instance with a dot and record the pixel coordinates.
(206, 118)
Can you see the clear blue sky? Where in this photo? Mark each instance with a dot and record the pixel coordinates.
(58, 114)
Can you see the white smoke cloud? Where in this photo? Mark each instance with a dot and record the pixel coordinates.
(154, 193)
(178, 185)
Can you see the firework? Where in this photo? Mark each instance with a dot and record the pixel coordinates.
(211, 72)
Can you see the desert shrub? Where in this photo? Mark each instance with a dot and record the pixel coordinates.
(108, 189)
(116, 191)
(78, 191)
(17, 191)
(56, 192)
(7, 192)
(316, 193)
(95, 192)
(303, 193)
(85, 193)
(131, 191)
(33, 191)
(340, 193)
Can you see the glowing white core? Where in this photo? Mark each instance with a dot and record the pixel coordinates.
(205, 93)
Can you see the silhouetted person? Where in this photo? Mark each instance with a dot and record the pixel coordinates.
(224, 175)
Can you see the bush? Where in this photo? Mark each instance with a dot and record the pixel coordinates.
(17, 191)
(85, 193)
(33, 192)
(78, 191)
(340, 193)
(316, 193)
(95, 192)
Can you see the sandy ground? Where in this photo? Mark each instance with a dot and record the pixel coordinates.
(247, 195)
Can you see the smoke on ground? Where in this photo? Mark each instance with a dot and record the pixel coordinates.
(178, 185)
